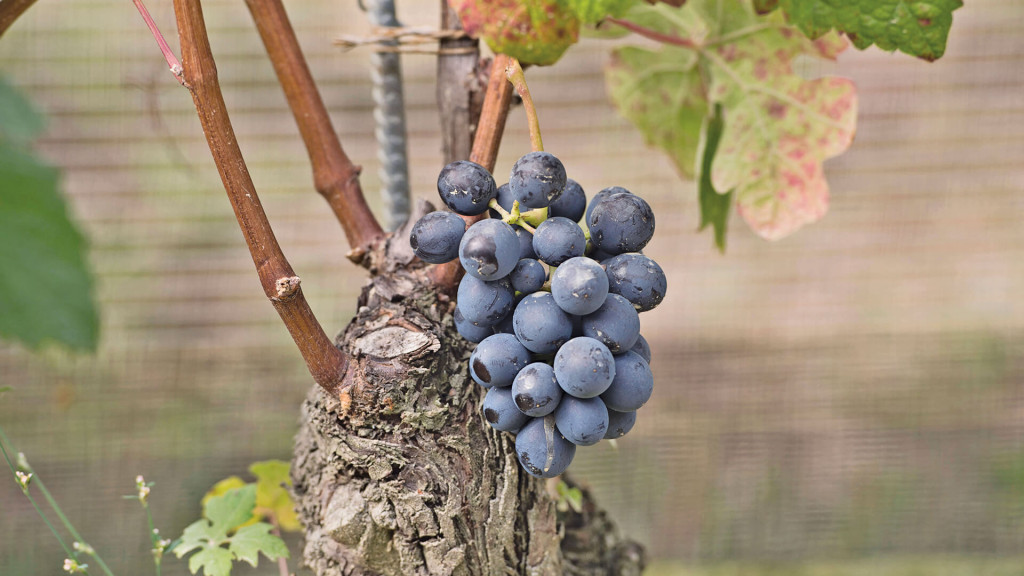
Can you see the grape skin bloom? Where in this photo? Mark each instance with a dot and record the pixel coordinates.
(435, 238)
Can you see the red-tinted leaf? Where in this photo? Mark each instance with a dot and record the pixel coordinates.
(533, 31)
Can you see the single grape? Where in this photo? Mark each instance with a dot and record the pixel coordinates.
(600, 196)
(537, 180)
(542, 450)
(571, 204)
(489, 250)
(485, 303)
(584, 367)
(636, 278)
(466, 187)
(540, 324)
(525, 242)
(619, 424)
(583, 421)
(579, 286)
(632, 386)
(558, 239)
(504, 326)
(535, 390)
(642, 348)
(501, 412)
(528, 276)
(595, 254)
(497, 360)
(615, 324)
(621, 223)
(435, 238)
(468, 330)
(505, 200)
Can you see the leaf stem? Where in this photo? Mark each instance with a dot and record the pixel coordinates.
(514, 73)
(172, 61)
(655, 35)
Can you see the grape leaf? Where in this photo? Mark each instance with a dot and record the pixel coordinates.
(714, 206)
(214, 561)
(46, 289)
(919, 28)
(252, 540)
(20, 123)
(592, 11)
(533, 31)
(272, 499)
(663, 94)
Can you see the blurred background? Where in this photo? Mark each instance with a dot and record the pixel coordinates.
(846, 401)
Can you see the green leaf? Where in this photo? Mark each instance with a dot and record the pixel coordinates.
(533, 31)
(272, 498)
(199, 534)
(214, 561)
(592, 11)
(714, 206)
(46, 290)
(20, 123)
(231, 510)
(662, 93)
(252, 540)
(919, 27)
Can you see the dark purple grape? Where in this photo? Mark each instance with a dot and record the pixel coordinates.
(541, 449)
(571, 204)
(468, 330)
(537, 180)
(621, 223)
(615, 324)
(535, 390)
(642, 348)
(583, 421)
(579, 286)
(636, 278)
(600, 196)
(466, 187)
(525, 242)
(501, 412)
(435, 238)
(528, 276)
(632, 386)
(489, 250)
(485, 303)
(540, 324)
(584, 367)
(505, 200)
(558, 239)
(497, 360)
(619, 424)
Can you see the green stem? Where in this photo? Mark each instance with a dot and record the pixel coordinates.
(154, 538)
(514, 73)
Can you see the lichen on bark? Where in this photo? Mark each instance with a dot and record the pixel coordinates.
(399, 474)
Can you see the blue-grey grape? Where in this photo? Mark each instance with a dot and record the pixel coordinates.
(619, 424)
(435, 237)
(535, 390)
(615, 324)
(621, 223)
(558, 239)
(579, 286)
(501, 412)
(632, 386)
(571, 204)
(584, 367)
(504, 326)
(528, 276)
(540, 324)
(541, 448)
(497, 360)
(600, 196)
(485, 303)
(468, 330)
(489, 250)
(637, 278)
(537, 179)
(583, 421)
(525, 242)
(642, 348)
(466, 187)
(504, 198)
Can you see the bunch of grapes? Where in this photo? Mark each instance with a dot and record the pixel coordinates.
(553, 305)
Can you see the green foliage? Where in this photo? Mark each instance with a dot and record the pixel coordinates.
(776, 127)
(918, 28)
(533, 31)
(593, 11)
(226, 521)
(714, 205)
(46, 289)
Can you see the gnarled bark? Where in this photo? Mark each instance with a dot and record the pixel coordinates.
(399, 474)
